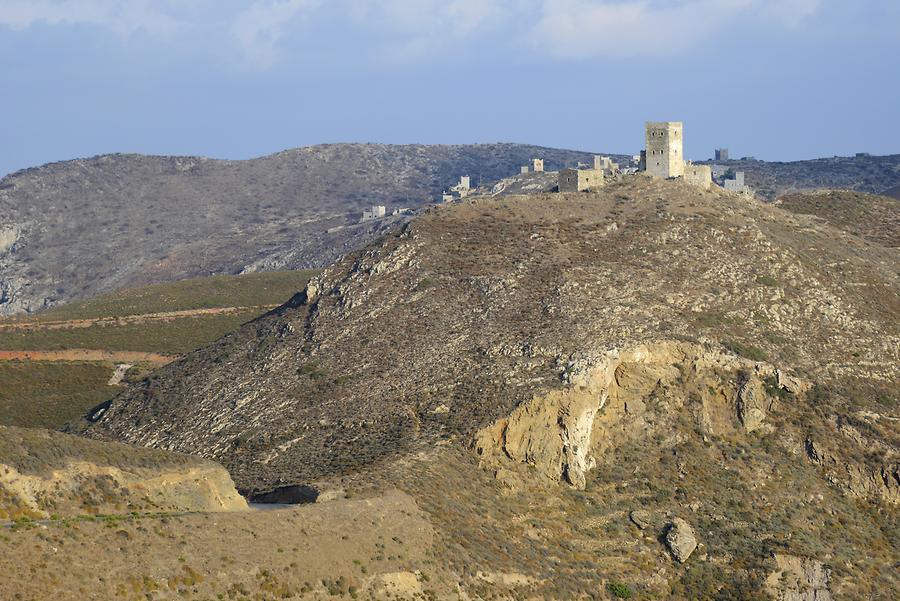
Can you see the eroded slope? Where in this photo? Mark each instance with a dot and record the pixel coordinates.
(45, 473)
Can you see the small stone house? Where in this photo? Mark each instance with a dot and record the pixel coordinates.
(580, 180)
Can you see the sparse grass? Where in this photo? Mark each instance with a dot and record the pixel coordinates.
(167, 337)
(248, 290)
(745, 350)
(767, 280)
(47, 395)
(619, 590)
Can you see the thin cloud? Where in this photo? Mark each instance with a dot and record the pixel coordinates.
(260, 28)
(590, 28)
(413, 30)
(123, 17)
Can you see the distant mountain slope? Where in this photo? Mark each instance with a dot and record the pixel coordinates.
(74, 229)
(892, 193)
(876, 218)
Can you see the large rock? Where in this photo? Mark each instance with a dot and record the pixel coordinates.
(681, 540)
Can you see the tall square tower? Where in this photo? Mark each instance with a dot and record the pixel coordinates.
(665, 149)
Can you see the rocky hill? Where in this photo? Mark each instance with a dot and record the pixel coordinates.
(579, 389)
(45, 473)
(75, 229)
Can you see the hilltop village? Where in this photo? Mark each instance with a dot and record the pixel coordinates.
(662, 157)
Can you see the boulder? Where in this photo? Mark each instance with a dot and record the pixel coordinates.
(642, 519)
(681, 539)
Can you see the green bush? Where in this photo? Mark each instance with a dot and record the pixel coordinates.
(619, 590)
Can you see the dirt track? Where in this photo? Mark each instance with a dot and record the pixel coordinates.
(88, 355)
(127, 319)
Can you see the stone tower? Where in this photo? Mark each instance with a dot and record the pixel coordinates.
(538, 165)
(665, 154)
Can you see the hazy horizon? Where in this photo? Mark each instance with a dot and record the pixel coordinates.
(781, 81)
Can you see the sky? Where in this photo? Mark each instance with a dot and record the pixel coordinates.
(775, 79)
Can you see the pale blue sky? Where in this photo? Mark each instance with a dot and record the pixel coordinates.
(778, 79)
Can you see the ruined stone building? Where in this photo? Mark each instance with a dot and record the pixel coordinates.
(606, 166)
(665, 155)
(525, 169)
(737, 184)
(721, 154)
(463, 188)
(698, 175)
(580, 180)
(719, 171)
(374, 212)
(538, 165)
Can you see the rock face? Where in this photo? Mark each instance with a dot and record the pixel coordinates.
(44, 473)
(681, 540)
(628, 394)
(799, 579)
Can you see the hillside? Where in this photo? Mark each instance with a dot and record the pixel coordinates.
(875, 218)
(75, 229)
(771, 179)
(893, 192)
(578, 388)
(56, 365)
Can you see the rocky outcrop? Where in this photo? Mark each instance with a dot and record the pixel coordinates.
(8, 237)
(681, 540)
(799, 579)
(625, 394)
(878, 482)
